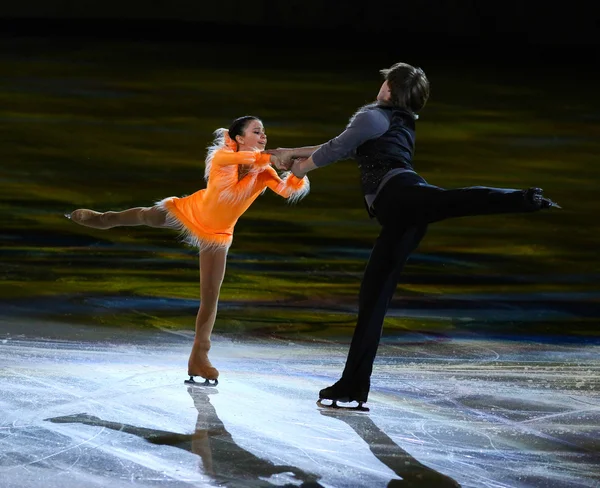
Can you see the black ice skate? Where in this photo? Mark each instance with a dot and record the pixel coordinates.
(206, 382)
(536, 198)
(337, 393)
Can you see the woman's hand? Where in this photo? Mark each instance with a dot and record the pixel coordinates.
(276, 161)
(281, 158)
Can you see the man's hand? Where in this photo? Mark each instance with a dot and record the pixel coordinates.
(297, 168)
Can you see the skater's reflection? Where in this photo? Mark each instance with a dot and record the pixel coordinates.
(222, 459)
(413, 473)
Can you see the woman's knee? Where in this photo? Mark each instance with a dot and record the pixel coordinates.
(154, 216)
(209, 299)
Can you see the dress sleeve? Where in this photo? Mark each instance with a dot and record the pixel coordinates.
(289, 186)
(230, 158)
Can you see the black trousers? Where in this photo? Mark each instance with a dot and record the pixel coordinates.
(404, 213)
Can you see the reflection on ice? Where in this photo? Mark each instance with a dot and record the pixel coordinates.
(221, 458)
(411, 471)
(109, 408)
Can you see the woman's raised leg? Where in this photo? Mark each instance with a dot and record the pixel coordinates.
(155, 216)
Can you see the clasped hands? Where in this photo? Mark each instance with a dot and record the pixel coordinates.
(284, 160)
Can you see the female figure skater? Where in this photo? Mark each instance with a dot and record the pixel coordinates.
(237, 172)
(381, 137)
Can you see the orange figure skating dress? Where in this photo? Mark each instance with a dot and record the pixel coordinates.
(234, 180)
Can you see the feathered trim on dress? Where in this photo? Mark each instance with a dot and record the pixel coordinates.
(298, 187)
(231, 190)
(239, 191)
(176, 220)
(221, 141)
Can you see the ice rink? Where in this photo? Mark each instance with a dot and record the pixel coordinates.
(85, 407)
(488, 373)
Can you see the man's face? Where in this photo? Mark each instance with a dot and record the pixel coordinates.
(384, 94)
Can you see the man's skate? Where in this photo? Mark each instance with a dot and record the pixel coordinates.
(339, 393)
(535, 196)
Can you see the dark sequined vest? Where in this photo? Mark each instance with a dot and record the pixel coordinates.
(394, 149)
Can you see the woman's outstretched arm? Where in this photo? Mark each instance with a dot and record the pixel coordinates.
(289, 187)
(230, 158)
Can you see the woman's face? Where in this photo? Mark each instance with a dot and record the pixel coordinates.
(384, 94)
(254, 137)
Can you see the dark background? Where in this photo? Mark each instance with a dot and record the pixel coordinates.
(110, 105)
(518, 30)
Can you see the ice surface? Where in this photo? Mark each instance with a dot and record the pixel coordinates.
(100, 407)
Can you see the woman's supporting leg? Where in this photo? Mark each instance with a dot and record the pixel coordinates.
(391, 251)
(212, 272)
(154, 216)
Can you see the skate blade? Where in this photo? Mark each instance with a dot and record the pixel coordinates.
(550, 204)
(191, 381)
(334, 406)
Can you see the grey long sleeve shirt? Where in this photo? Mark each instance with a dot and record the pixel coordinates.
(368, 123)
